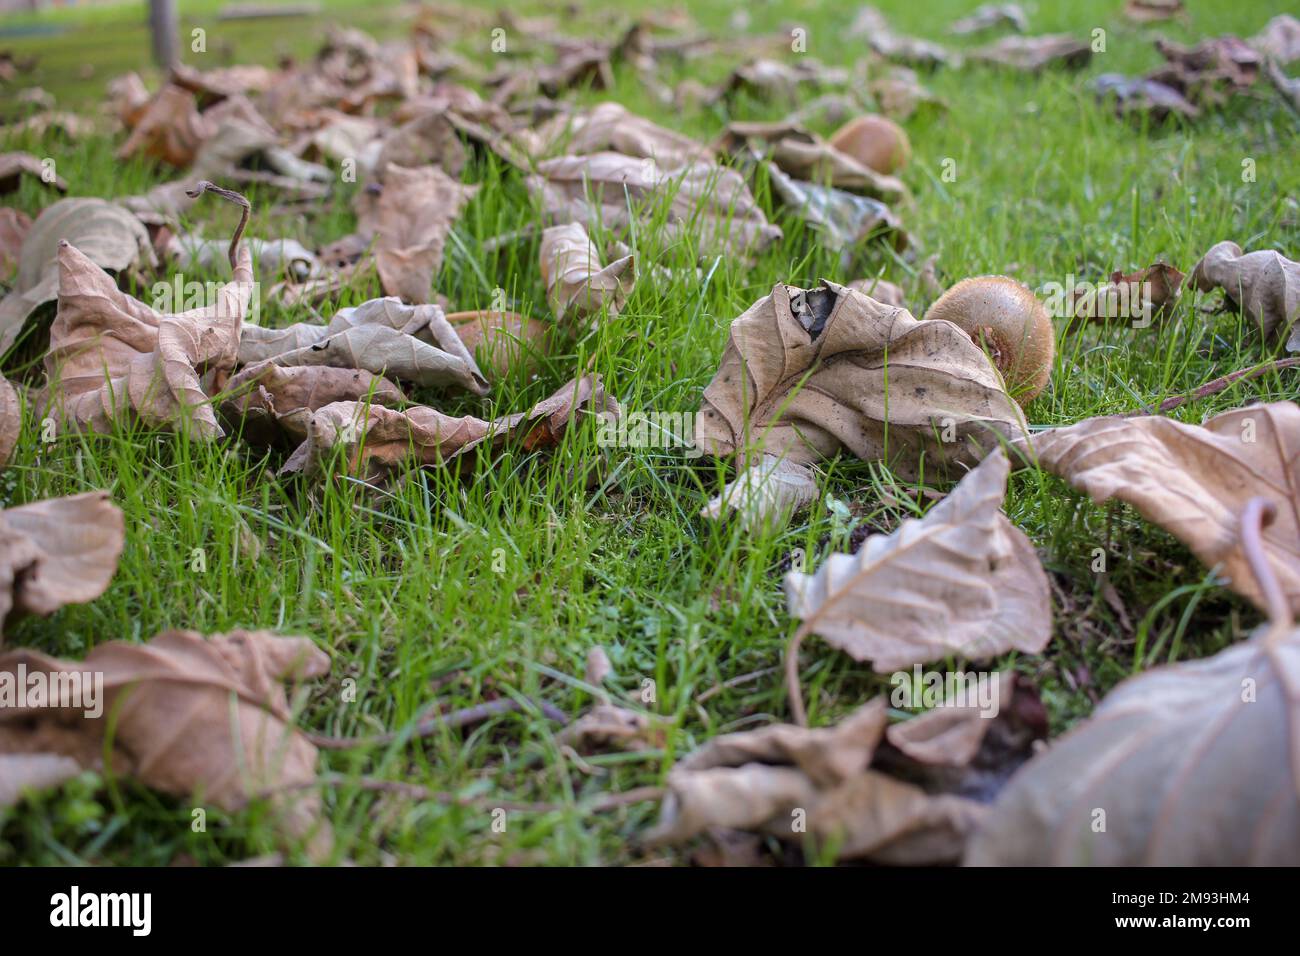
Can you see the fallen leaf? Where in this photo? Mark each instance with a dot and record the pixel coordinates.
(1136, 96)
(844, 220)
(190, 716)
(1210, 71)
(949, 735)
(991, 16)
(1194, 480)
(111, 354)
(1279, 40)
(606, 727)
(708, 204)
(170, 129)
(963, 581)
(887, 293)
(598, 667)
(1138, 296)
(900, 94)
(577, 285)
(1151, 11)
(501, 341)
(14, 166)
(1192, 764)
(870, 24)
(1032, 54)
(56, 552)
(767, 492)
(105, 233)
(14, 224)
(611, 127)
(374, 442)
(806, 156)
(1264, 285)
(411, 221)
(808, 373)
(11, 420)
(772, 780)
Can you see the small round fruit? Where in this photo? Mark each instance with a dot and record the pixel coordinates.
(1009, 322)
(874, 141)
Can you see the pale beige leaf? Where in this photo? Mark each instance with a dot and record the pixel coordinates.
(14, 166)
(23, 773)
(189, 716)
(1280, 39)
(1194, 480)
(501, 341)
(577, 285)
(112, 355)
(962, 581)
(611, 127)
(105, 233)
(56, 552)
(767, 492)
(606, 727)
(1264, 285)
(14, 224)
(806, 156)
(808, 373)
(1194, 764)
(950, 734)
(11, 420)
(1032, 54)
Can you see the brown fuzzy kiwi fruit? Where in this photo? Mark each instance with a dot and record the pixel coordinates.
(874, 141)
(1009, 322)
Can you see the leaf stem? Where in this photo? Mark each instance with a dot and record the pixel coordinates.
(239, 199)
(1257, 515)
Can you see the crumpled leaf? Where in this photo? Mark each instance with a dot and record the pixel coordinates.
(1194, 480)
(846, 220)
(611, 127)
(500, 341)
(14, 224)
(413, 343)
(13, 166)
(1152, 290)
(1032, 54)
(991, 16)
(1279, 40)
(1150, 11)
(410, 224)
(899, 93)
(1264, 285)
(871, 24)
(1210, 71)
(950, 735)
(1193, 764)
(105, 233)
(170, 128)
(962, 581)
(881, 290)
(577, 285)
(56, 552)
(757, 780)
(276, 401)
(767, 492)
(772, 79)
(808, 157)
(111, 355)
(376, 441)
(275, 258)
(607, 727)
(803, 377)
(1136, 95)
(11, 420)
(189, 716)
(710, 204)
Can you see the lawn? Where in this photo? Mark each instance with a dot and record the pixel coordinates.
(496, 583)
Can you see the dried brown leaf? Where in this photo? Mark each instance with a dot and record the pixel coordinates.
(1032, 54)
(14, 166)
(962, 581)
(577, 285)
(1194, 480)
(767, 492)
(1264, 285)
(501, 341)
(11, 420)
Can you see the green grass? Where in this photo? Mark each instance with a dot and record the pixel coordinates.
(496, 583)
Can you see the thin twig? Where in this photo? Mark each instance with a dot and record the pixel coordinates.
(431, 725)
(792, 676)
(1215, 386)
(239, 199)
(734, 682)
(1257, 515)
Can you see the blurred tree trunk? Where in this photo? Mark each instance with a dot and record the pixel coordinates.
(162, 23)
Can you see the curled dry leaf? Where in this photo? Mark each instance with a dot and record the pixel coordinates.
(14, 166)
(707, 203)
(56, 552)
(606, 727)
(170, 129)
(275, 258)
(105, 233)
(900, 94)
(11, 420)
(845, 220)
(189, 716)
(1264, 285)
(410, 224)
(1210, 71)
(413, 343)
(1138, 296)
(14, 224)
(1193, 764)
(274, 401)
(808, 373)
(1194, 480)
(577, 285)
(611, 127)
(991, 16)
(870, 23)
(767, 492)
(951, 735)
(962, 581)
(1137, 96)
(881, 290)
(1279, 40)
(758, 780)
(376, 441)
(1150, 11)
(1033, 54)
(500, 341)
(111, 355)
